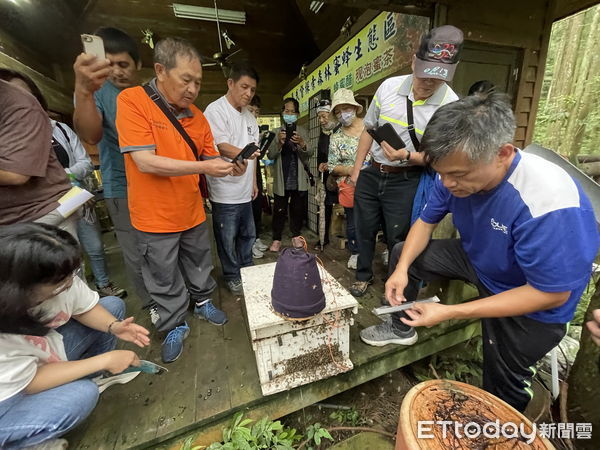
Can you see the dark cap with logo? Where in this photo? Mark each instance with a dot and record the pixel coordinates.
(439, 53)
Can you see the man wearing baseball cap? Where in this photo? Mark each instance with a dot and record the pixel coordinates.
(385, 190)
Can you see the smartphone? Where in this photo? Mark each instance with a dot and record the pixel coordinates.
(387, 133)
(266, 139)
(290, 128)
(246, 152)
(93, 45)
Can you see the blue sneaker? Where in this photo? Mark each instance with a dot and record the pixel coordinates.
(172, 346)
(210, 312)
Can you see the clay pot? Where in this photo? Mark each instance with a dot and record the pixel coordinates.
(462, 404)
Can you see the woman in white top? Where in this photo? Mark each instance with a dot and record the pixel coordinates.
(55, 333)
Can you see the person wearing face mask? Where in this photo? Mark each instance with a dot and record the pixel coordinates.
(328, 127)
(342, 153)
(291, 175)
(385, 191)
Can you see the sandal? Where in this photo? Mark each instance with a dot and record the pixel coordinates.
(275, 246)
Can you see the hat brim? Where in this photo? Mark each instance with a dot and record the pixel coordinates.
(359, 107)
(433, 69)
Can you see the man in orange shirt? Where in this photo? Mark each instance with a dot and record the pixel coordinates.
(162, 185)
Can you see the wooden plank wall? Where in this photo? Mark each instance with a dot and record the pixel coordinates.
(525, 25)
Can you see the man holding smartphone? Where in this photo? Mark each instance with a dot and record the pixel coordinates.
(156, 124)
(385, 190)
(98, 82)
(234, 127)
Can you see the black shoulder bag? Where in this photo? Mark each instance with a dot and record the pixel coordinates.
(156, 98)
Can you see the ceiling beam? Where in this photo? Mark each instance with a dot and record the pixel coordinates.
(417, 7)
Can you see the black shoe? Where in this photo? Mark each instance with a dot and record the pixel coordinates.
(359, 288)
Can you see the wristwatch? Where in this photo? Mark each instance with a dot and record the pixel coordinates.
(407, 157)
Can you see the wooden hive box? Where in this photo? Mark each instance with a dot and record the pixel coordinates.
(292, 353)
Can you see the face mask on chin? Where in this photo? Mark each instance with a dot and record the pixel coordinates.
(346, 117)
(290, 118)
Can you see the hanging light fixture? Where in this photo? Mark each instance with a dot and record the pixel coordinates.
(209, 14)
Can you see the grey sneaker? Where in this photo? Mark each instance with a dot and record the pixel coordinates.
(384, 334)
(235, 286)
(256, 252)
(261, 245)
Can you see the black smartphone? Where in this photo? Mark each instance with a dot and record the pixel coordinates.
(265, 142)
(246, 152)
(290, 129)
(387, 133)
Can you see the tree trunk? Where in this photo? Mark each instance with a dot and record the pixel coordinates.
(588, 158)
(584, 382)
(579, 87)
(564, 75)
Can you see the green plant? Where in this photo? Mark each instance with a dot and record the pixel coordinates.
(346, 416)
(187, 445)
(263, 434)
(315, 433)
(461, 363)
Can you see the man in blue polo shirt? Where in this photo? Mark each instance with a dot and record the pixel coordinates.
(528, 238)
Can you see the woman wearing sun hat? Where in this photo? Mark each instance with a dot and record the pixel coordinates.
(342, 153)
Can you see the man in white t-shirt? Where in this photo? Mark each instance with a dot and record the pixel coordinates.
(233, 127)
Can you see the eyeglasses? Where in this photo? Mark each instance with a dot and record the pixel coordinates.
(64, 285)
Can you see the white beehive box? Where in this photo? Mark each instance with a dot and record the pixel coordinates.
(291, 353)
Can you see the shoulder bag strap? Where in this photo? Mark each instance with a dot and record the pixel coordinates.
(411, 124)
(311, 178)
(63, 131)
(156, 98)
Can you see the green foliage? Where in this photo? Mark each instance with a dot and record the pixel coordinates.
(461, 363)
(264, 434)
(346, 417)
(315, 433)
(187, 445)
(568, 117)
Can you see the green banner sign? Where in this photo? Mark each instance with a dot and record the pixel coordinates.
(381, 48)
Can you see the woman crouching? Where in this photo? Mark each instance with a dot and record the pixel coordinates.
(55, 333)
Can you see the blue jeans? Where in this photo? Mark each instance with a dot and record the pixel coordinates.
(351, 231)
(382, 201)
(235, 235)
(91, 241)
(29, 419)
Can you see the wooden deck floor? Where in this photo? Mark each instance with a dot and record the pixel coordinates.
(217, 376)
